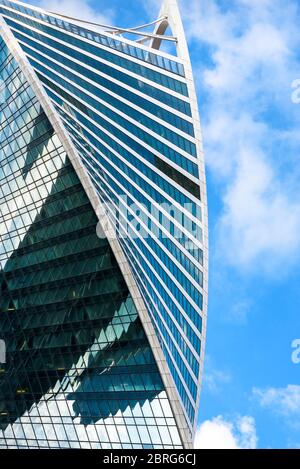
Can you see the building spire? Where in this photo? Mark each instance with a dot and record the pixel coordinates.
(172, 19)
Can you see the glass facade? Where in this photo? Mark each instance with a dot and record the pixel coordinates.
(128, 112)
(79, 372)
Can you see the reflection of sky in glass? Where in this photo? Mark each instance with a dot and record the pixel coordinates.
(23, 198)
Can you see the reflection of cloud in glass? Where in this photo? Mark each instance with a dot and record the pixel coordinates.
(66, 431)
(2, 91)
(19, 222)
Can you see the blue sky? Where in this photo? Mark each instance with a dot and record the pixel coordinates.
(245, 56)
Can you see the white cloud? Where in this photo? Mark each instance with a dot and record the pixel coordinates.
(238, 312)
(247, 91)
(220, 433)
(213, 378)
(79, 9)
(284, 401)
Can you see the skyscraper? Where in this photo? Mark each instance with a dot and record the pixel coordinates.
(103, 226)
